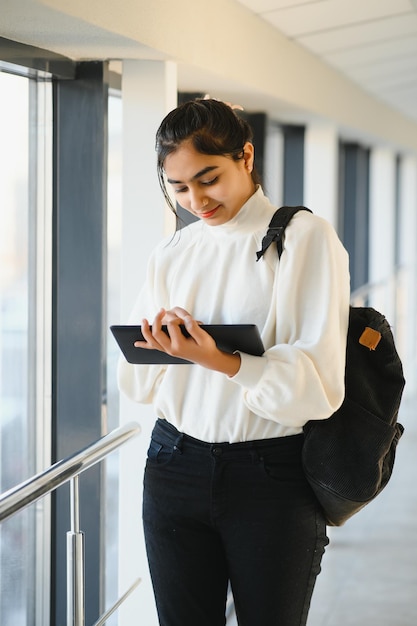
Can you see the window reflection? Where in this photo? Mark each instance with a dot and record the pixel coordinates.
(16, 450)
(25, 360)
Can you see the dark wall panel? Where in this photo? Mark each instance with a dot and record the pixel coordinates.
(354, 209)
(293, 165)
(80, 157)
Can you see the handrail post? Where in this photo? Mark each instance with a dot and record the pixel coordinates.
(67, 470)
(75, 562)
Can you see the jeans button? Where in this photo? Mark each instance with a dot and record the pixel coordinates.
(217, 451)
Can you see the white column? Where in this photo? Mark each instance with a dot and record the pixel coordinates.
(149, 91)
(407, 309)
(382, 231)
(321, 170)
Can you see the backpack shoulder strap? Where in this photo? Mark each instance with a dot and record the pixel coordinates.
(277, 226)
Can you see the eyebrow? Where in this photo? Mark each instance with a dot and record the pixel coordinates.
(205, 170)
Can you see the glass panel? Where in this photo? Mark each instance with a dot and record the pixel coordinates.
(24, 341)
(113, 291)
(16, 459)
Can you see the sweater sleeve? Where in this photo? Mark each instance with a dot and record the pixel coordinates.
(140, 382)
(301, 377)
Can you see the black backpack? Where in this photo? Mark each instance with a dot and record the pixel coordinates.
(349, 457)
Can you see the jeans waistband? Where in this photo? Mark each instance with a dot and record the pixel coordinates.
(170, 434)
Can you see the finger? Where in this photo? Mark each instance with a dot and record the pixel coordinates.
(163, 338)
(170, 316)
(194, 329)
(146, 335)
(158, 320)
(154, 337)
(178, 311)
(146, 332)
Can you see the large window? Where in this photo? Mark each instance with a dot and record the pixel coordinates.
(52, 202)
(25, 183)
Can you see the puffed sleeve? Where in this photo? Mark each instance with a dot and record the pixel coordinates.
(301, 376)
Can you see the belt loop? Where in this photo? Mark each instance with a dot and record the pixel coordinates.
(178, 443)
(257, 455)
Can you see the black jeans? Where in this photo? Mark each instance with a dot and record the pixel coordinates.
(241, 512)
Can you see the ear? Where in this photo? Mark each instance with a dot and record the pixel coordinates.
(248, 156)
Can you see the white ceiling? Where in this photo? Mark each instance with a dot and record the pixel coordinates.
(373, 42)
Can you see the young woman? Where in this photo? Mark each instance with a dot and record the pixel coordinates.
(225, 497)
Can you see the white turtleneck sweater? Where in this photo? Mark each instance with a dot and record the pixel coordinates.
(300, 305)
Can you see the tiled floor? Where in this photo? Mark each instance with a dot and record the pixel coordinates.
(369, 575)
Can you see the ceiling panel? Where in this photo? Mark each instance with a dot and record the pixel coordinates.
(372, 42)
(379, 71)
(318, 17)
(398, 84)
(261, 6)
(380, 52)
(374, 31)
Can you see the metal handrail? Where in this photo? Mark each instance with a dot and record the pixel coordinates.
(30, 490)
(103, 619)
(69, 469)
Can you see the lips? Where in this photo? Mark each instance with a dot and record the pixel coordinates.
(208, 214)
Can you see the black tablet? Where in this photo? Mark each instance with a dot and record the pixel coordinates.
(228, 337)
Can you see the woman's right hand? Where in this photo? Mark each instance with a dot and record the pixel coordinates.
(199, 347)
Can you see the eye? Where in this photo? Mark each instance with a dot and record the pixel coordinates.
(180, 190)
(212, 181)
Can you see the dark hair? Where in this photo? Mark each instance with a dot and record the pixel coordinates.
(213, 128)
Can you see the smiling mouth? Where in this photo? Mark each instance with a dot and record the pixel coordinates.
(208, 214)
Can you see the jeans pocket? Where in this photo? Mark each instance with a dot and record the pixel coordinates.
(159, 453)
(283, 468)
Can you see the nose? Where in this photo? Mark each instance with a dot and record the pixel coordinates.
(197, 200)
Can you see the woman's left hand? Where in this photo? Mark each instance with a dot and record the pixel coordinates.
(198, 348)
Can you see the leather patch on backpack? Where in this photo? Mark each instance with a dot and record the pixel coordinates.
(370, 338)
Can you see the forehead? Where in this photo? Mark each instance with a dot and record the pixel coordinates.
(186, 163)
